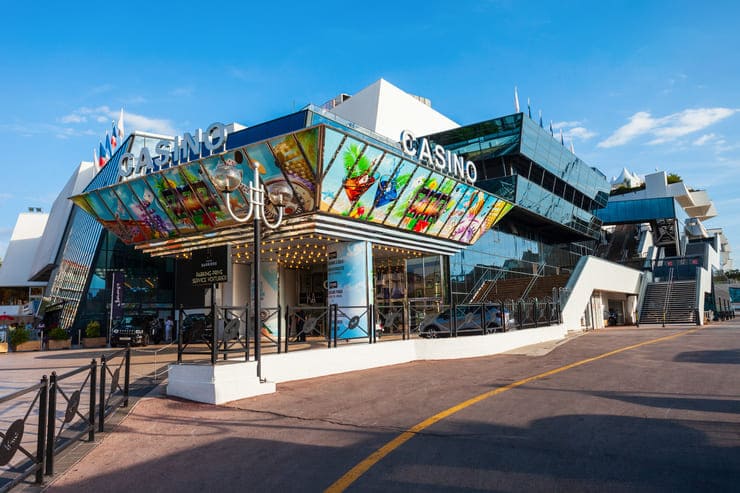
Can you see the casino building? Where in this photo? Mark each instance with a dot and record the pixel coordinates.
(387, 202)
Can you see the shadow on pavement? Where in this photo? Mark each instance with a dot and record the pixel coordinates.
(723, 357)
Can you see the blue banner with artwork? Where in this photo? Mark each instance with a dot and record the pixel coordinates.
(349, 281)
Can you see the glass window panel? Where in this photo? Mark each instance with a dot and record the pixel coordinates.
(150, 212)
(459, 192)
(114, 203)
(468, 229)
(332, 141)
(309, 141)
(469, 218)
(391, 178)
(363, 187)
(81, 201)
(298, 171)
(212, 211)
(166, 194)
(99, 208)
(415, 182)
(346, 178)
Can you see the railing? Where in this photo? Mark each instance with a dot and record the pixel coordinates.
(15, 467)
(196, 334)
(303, 324)
(62, 409)
(392, 319)
(667, 294)
(346, 323)
(683, 268)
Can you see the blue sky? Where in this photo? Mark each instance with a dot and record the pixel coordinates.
(642, 85)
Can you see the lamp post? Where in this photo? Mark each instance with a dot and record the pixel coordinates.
(228, 178)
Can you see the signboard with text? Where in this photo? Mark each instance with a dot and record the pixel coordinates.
(210, 266)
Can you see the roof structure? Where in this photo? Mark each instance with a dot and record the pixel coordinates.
(26, 238)
(387, 110)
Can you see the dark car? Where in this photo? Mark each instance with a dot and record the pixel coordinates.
(470, 320)
(131, 330)
(197, 327)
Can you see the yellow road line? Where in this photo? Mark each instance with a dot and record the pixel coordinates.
(361, 468)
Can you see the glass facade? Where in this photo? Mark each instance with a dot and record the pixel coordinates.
(516, 158)
(555, 194)
(148, 288)
(640, 211)
(540, 146)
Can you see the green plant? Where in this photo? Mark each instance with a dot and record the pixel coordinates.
(19, 336)
(92, 329)
(673, 178)
(58, 334)
(355, 163)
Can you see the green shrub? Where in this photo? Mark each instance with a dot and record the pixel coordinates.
(19, 336)
(92, 329)
(58, 334)
(673, 178)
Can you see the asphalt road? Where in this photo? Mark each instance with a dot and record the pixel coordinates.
(658, 417)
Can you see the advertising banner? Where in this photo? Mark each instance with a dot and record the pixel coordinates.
(116, 299)
(269, 298)
(349, 286)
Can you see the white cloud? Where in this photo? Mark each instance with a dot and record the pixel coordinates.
(104, 114)
(667, 128)
(581, 133)
(73, 118)
(559, 125)
(573, 130)
(704, 139)
(135, 121)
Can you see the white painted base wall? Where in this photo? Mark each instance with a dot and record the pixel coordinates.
(230, 381)
(225, 382)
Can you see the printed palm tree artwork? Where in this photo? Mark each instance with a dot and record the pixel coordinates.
(357, 168)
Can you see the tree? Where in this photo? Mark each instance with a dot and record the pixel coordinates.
(673, 178)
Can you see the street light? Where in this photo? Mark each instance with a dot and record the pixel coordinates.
(228, 178)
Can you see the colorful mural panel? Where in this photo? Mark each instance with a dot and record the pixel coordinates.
(407, 195)
(212, 211)
(297, 170)
(167, 194)
(348, 177)
(309, 142)
(149, 211)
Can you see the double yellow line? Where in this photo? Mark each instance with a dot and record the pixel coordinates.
(361, 468)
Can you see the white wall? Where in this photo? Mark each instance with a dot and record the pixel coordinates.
(387, 110)
(595, 274)
(24, 242)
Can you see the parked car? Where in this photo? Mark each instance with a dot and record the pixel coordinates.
(131, 329)
(468, 318)
(197, 327)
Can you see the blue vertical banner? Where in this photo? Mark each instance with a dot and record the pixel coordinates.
(349, 282)
(269, 298)
(116, 297)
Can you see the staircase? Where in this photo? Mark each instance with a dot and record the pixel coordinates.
(677, 299)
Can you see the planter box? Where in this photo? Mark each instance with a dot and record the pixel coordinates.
(3, 347)
(92, 342)
(59, 344)
(28, 346)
